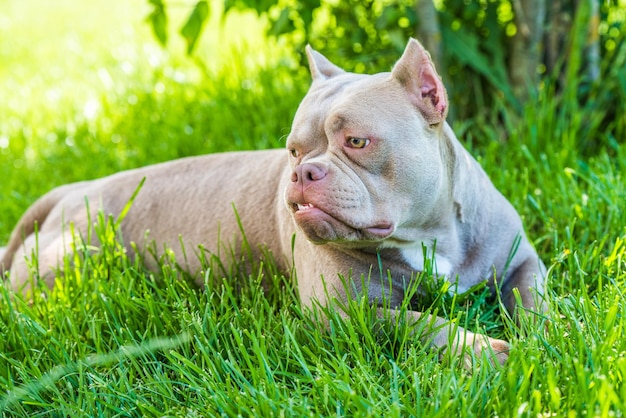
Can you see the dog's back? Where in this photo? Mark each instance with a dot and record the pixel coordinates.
(185, 203)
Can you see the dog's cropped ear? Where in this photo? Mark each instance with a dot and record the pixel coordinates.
(416, 72)
(321, 68)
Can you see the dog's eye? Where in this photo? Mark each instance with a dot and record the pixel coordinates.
(294, 152)
(354, 142)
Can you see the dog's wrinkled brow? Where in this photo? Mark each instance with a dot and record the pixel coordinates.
(337, 124)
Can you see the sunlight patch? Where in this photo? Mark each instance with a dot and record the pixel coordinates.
(90, 111)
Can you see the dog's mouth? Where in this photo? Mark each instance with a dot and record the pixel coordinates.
(322, 226)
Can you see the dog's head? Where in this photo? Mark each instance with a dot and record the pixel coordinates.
(368, 163)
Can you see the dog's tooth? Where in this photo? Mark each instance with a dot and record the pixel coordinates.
(304, 206)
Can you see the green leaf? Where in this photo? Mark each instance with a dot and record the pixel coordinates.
(306, 8)
(465, 47)
(283, 24)
(192, 28)
(158, 21)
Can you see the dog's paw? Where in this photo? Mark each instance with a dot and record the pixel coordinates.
(497, 351)
(474, 349)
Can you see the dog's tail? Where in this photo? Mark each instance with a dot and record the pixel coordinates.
(36, 214)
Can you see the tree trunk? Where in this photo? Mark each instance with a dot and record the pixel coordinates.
(561, 32)
(592, 48)
(558, 24)
(428, 31)
(526, 46)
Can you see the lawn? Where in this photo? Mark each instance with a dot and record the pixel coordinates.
(96, 96)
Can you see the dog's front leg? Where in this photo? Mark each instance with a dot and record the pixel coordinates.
(437, 332)
(451, 339)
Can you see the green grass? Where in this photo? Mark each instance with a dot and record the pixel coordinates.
(116, 340)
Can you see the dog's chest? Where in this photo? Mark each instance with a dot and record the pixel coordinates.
(420, 257)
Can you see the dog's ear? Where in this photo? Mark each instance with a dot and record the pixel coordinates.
(416, 72)
(321, 68)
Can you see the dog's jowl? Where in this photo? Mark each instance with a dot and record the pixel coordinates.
(371, 182)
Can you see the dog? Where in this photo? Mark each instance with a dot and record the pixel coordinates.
(373, 183)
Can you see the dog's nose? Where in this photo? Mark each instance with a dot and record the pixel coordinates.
(307, 173)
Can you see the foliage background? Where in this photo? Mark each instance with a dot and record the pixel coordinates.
(476, 44)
